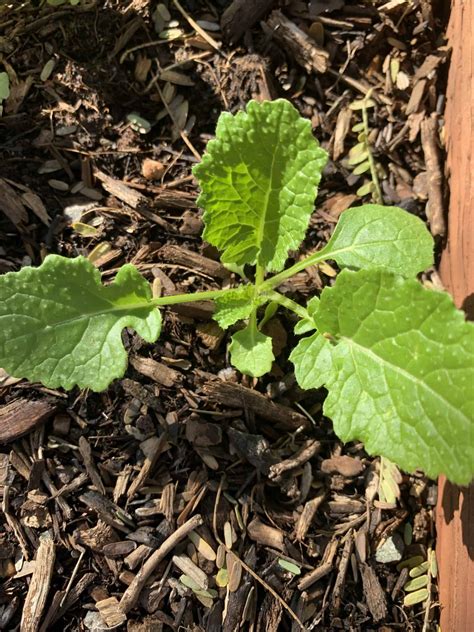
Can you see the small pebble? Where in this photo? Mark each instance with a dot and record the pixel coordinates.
(152, 169)
(391, 550)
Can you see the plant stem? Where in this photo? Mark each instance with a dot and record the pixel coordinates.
(176, 299)
(377, 194)
(276, 297)
(278, 279)
(259, 275)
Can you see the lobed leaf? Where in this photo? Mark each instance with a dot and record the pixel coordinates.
(381, 236)
(399, 369)
(258, 182)
(251, 351)
(59, 325)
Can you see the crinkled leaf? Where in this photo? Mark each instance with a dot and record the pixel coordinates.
(234, 306)
(251, 351)
(61, 326)
(381, 236)
(258, 182)
(401, 372)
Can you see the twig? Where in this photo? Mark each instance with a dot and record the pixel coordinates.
(153, 80)
(131, 595)
(304, 454)
(377, 194)
(199, 30)
(39, 586)
(435, 206)
(426, 620)
(246, 567)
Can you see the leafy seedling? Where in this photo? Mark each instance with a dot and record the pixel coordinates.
(396, 358)
(361, 159)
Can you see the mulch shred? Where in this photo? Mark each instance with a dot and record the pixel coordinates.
(188, 496)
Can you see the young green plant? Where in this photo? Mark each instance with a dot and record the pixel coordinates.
(396, 358)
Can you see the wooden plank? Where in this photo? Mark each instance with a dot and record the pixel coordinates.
(455, 511)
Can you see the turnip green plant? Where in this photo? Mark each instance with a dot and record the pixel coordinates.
(396, 358)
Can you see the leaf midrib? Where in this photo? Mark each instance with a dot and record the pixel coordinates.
(86, 316)
(270, 188)
(406, 374)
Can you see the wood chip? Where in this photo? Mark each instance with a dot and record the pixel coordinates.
(241, 15)
(305, 51)
(12, 206)
(131, 595)
(152, 448)
(436, 203)
(338, 589)
(183, 256)
(309, 449)
(156, 371)
(265, 535)
(323, 569)
(306, 517)
(34, 202)
(119, 549)
(343, 464)
(86, 453)
(22, 415)
(343, 124)
(38, 590)
(189, 568)
(237, 396)
(416, 97)
(110, 612)
(373, 592)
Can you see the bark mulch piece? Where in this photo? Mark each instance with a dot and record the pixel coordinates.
(187, 496)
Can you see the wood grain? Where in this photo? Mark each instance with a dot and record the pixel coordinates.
(22, 415)
(455, 511)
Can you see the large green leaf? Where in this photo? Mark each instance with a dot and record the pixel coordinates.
(251, 351)
(380, 236)
(61, 326)
(400, 374)
(258, 182)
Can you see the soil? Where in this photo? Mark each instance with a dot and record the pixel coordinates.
(188, 496)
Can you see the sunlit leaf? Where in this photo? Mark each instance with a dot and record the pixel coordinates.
(61, 326)
(398, 363)
(258, 182)
(381, 236)
(251, 351)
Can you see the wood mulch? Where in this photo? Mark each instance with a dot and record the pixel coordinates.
(186, 496)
